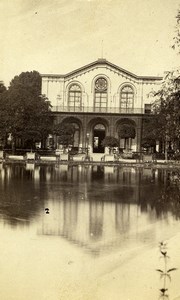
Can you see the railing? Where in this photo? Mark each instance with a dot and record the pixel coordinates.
(113, 110)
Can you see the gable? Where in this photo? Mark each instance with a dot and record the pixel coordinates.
(101, 63)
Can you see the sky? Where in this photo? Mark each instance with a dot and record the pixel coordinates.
(58, 36)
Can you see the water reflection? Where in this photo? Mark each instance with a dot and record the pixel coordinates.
(93, 206)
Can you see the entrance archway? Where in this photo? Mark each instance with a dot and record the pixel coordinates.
(99, 134)
(126, 129)
(77, 138)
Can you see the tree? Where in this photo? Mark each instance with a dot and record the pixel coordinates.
(29, 111)
(110, 142)
(176, 44)
(125, 132)
(166, 107)
(65, 134)
(3, 115)
(151, 132)
(2, 88)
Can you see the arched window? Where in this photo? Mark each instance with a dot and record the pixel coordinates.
(127, 97)
(100, 101)
(75, 96)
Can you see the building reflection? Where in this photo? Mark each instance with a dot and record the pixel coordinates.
(95, 226)
(122, 212)
(92, 206)
(96, 219)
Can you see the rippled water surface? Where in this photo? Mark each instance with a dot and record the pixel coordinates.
(99, 240)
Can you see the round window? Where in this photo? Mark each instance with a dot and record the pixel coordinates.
(101, 84)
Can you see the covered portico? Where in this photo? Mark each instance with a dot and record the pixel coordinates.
(92, 128)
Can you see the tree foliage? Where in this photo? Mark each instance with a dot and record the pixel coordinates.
(3, 114)
(2, 88)
(30, 81)
(24, 112)
(151, 131)
(110, 141)
(126, 131)
(65, 133)
(166, 107)
(176, 44)
(28, 111)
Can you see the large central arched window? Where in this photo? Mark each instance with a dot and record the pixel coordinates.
(75, 96)
(127, 97)
(100, 100)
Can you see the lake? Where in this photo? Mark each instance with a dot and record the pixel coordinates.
(86, 232)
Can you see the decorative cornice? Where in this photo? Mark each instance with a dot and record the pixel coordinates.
(101, 62)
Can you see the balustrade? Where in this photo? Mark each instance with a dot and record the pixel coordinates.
(113, 110)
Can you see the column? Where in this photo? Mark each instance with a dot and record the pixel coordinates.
(139, 134)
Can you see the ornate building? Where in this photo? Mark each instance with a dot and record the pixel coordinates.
(98, 99)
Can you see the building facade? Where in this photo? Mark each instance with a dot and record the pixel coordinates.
(98, 99)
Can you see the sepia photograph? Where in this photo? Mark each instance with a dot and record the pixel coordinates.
(89, 149)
